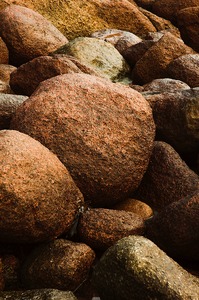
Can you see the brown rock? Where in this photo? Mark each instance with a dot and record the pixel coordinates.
(5, 88)
(103, 132)
(5, 71)
(2, 283)
(176, 228)
(167, 179)
(168, 9)
(147, 4)
(60, 264)
(185, 68)
(39, 199)
(27, 77)
(4, 55)
(11, 267)
(135, 206)
(164, 85)
(188, 26)
(100, 228)
(8, 106)
(154, 62)
(39, 36)
(92, 15)
(177, 119)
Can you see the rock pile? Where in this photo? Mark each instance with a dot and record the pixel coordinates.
(99, 150)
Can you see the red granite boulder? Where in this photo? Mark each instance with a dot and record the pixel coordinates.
(38, 198)
(103, 132)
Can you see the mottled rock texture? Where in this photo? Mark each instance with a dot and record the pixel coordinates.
(185, 68)
(40, 294)
(100, 228)
(60, 264)
(154, 62)
(176, 228)
(103, 132)
(163, 85)
(4, 54)
(28, 34)
(167, 179)
(5, 71)
(98, 55)
(135, 268)
(38, 198)
(8, 106)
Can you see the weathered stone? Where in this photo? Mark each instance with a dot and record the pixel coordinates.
(92, 15)
(60, 264)
(5, 88)
(8, 106)
(39, 199)
(176, 228)
(167, 179)
(163, 85)
(98, 55)
(5, 71)
(27, 77)
(188, 26)
(4, 55)
(185, 68)
(11, 267)
(100, 228)
(2, 282)
(102, 132)
(40, 294)
(168, 9)
(135, 206)
(176, 115)
(135, 268)
(154, 62)
(27, 34)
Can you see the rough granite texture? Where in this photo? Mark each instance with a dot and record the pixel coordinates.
(135, 268)
(39, 199)
(103, 132)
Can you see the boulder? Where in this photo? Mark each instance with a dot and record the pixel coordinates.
(5, 71)
(176, 228)
(8, 106)
(135, 206)
(102, 132)
(39, 200)
(98, 55)
(167, 179)
(41, 294)
(168, 9)
(28, 34)
(60, 264)
(188, 26)
(181, 127)
(185, 68)
(100, 228)
(4, 54)
(5, 88)
(163, 85)
(92, 15)
(154, 62)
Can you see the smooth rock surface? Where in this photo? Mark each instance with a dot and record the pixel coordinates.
(167, 179)
(103, 132)
(4, 54)
(135, 268)
(39, 199)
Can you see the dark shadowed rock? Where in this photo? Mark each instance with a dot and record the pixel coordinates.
(60, 264)
(28, 34)
(100, 228)
(40, 294)
(167, 179)
(135, 268)
(154, 62)
(8, 106)
(102, 132)
(39, 199)
(176, 228)
(188, 26)
(2, 282)
(176, 115)
(11, 267)
(4, 54)
(185, 68)
(135, 206)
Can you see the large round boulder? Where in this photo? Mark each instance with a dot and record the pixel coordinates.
(38, 198)
(103, 132)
